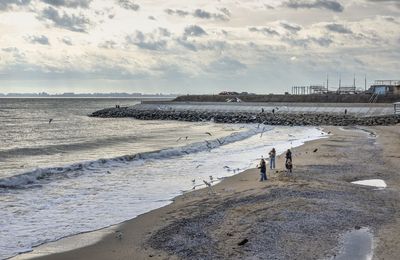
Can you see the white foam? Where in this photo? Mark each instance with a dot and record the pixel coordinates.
(378, 183)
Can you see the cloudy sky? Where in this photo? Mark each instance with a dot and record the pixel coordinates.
(180, 46)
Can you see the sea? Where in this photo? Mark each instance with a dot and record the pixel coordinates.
(64, 173)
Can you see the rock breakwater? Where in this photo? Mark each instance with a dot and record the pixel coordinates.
(297, 119)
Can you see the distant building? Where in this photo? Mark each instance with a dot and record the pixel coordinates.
(384, 87)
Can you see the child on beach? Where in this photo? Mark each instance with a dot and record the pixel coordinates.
(289, 166)
(272, 155)
(289, 162)
(263, 170)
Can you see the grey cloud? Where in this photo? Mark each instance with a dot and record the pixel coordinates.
(69, 22)
(294, 28)
(151, 41)
(69, 3)
(331, 5)
(5, 4)
(108, 45)
(67, 41)
(322, 41)
(338, 28)
(202, 14)
(176, 12)
(395, 2)
(225, 11)
(194, 30)
(199, 13)
(264, 30)
(43, 40)
(305, 42)
(10, 49)
(226, 64)
(127, 4)
(185, 43)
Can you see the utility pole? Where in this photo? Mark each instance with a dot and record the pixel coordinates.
(365, 83)
(327, 82)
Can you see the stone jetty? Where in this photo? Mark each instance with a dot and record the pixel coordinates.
(290, 118)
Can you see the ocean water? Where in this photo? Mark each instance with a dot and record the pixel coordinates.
(78, 174)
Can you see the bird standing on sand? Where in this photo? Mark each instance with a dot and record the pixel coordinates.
(50, 120)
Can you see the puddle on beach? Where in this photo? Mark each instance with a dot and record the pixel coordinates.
(378, 183)
(357, 245)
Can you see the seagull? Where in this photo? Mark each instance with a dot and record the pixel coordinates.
(208, 133)
(186, 137)
(262, 131)
(211, 178)
(50, 120)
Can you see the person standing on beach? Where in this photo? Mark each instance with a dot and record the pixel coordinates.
(272, 155)
(288, 161)
(263, 170)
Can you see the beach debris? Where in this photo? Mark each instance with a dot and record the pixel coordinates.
(118, 234)
(229, 234)
(315, 150)
(208, 133)
(50, 120)
(108, 172)
(243, 242)
(329, 132)
(198, 166)
(220, 142)
(179, 139)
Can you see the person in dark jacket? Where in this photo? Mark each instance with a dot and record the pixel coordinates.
(288, 161)
(263, 170)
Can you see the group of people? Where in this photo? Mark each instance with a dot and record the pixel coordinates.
(272, 156)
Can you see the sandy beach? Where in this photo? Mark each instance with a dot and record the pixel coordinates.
(303, 216)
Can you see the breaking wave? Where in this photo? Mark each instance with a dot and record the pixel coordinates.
(42, 176)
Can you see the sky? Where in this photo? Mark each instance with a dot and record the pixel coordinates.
(195, 47)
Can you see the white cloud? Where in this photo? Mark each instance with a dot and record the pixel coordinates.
(169, 45)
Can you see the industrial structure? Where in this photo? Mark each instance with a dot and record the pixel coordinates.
(380, 87)
(385, 87)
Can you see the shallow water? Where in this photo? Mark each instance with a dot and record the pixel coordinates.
(357, 245)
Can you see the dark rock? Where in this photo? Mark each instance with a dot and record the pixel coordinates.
(243, 242)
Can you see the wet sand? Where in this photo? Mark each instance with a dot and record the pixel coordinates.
(303, 216)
